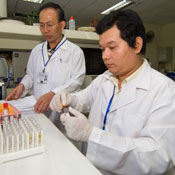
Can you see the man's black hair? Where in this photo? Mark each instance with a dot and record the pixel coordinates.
(56, 7)
(128, 22)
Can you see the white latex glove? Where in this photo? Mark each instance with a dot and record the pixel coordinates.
(77, 127)
(59, 100)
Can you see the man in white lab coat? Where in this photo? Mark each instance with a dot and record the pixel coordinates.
(131, 125)
(53, 65)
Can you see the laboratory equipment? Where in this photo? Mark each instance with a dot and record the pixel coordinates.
(19, 136)
(2, 90)
(3, 68)
(7, 110)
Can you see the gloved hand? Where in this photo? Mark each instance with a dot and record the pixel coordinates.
(59, 100)
(77, 127)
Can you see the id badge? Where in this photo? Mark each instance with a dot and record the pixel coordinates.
(42, 77)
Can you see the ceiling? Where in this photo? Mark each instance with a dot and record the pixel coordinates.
(152, 11)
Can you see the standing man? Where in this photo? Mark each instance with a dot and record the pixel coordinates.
(53, 65)
(131, 126)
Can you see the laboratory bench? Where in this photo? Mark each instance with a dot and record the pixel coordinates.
(60, 156)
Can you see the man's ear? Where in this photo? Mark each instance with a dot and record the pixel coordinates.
(63, 24)
(138, 44)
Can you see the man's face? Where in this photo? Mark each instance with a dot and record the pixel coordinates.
(50, 26)
(118, 56)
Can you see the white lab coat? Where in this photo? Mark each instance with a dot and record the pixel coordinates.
(140, 132)
(66, 69)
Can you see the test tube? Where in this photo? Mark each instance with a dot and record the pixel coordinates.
(11, 142)
(5, 105)
(26, 134)
(20, 133)
(10, 134)
(30, 131)
(32, 124)
(38, 129)
(65, 108)
(16, 135)
(6, 139)
(41, 134)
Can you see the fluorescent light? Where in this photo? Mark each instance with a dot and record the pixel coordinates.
(117, 6)
(35, 1)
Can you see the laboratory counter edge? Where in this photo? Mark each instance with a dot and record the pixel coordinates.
(60, 156)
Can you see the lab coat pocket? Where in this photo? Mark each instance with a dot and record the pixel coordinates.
(128, 123)
(61, 72)
(62, 64)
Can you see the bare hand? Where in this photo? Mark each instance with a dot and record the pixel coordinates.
(16, 93)
(42, 105)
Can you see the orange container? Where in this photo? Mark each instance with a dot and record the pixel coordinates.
(7, 110)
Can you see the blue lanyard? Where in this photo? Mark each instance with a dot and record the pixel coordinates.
(108, 108)
(45, 64)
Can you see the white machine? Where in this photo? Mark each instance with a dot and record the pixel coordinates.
(3, 68)
(3, 74)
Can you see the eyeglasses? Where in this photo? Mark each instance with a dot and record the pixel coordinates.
(48, 25)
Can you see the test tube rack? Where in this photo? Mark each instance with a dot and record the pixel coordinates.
(11, 111)
(20, 138)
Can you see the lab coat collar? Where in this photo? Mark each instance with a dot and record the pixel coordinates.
(108, 87)
(142, 81)
(64, 46)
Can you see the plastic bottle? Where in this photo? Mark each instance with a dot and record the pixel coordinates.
(71, 23)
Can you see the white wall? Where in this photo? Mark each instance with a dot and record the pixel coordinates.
(151, 50)
(168, 39)
(164, 37)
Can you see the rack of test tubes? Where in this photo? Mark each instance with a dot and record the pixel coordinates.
(20, 137)
(7, 110)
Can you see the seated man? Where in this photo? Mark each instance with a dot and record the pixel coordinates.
(131, 124)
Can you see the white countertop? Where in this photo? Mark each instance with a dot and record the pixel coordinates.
(61, 157)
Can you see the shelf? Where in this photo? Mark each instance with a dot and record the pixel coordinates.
(15, 36)
(16, 31)
(82, 37)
